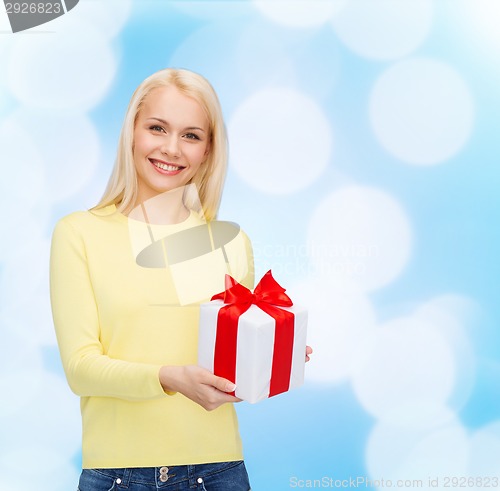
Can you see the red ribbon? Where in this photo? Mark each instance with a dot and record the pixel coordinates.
(268, 294)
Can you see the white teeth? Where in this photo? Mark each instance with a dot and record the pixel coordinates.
(166, 166)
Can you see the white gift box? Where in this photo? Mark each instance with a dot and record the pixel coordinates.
(255, 348)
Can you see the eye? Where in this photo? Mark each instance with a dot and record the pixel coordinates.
(156, 127)
(192, 136)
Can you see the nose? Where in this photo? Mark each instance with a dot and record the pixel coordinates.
(170, 146)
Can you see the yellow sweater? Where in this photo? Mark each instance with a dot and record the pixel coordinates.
(117, 323)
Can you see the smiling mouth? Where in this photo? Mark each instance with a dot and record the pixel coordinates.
(166, 167)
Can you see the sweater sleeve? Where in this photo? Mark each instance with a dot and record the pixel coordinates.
(89, 371)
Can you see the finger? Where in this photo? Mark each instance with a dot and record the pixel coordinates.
(223, 384)
(309, 350)
(229, 398)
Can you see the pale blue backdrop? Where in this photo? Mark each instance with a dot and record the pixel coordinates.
(364, 165)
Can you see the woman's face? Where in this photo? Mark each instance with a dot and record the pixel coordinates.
(171, 141)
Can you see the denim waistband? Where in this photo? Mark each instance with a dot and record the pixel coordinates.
(165, 476)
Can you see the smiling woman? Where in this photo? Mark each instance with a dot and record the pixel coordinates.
(128, 343)
(170, 110)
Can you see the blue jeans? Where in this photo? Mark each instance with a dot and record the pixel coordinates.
(221, 476)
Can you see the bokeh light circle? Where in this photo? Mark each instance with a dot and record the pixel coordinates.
(55, 424)
(196, 52)
(24, 293)
(34, 219)
(339, 318)
(20, 371)
(418, 452)
(280, 141)
(297, 13)
(37, 80)
(361, 234)
(421, 111)
(108, 17)
(67, 145)
(479, 22)
(213, 10)
(485, 450)
(53, 469)
(270, 55)
(22, 187)
(449, 314)
(403, 362)
(384, 29)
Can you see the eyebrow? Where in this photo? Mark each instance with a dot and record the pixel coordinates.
(167, 123)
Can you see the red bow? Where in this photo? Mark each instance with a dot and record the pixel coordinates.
(267, 291)
(268, 294)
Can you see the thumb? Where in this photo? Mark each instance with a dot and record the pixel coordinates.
(224, 384)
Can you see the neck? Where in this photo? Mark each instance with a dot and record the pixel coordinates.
(164, 209)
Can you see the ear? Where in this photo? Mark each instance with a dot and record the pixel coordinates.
(207, 150)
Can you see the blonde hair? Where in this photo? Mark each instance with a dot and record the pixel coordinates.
(121, 189)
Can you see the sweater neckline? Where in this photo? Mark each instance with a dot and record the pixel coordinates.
(192, 218)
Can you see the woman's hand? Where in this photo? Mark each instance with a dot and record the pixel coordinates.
(309, 351)
(197, 384)
(200, 385)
